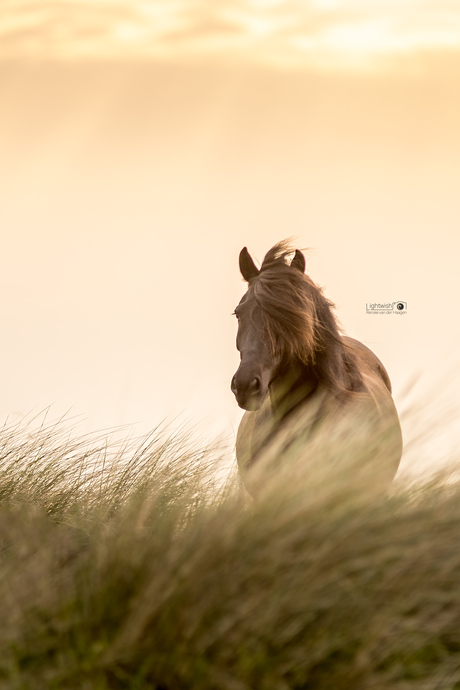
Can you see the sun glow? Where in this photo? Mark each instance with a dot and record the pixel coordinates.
(263, 30)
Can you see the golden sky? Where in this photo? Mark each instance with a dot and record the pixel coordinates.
(330, 33)
(144, 143)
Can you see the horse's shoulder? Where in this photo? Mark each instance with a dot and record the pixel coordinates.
(368, 360)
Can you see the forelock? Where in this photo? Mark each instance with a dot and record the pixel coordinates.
(286, 305)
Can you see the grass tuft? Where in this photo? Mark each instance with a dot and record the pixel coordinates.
(134, 565)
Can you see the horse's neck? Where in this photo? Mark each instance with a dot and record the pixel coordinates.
(297, 383)
(293, 386)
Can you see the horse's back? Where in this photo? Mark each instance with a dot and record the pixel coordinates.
(368, 360)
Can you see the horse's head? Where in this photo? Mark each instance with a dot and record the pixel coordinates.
(260, 317)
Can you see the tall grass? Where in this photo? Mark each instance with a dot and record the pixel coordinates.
(133, 565)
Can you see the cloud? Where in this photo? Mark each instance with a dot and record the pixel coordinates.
(283, 31)
(92, 28)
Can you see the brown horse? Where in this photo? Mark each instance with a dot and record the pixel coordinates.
(305, 383)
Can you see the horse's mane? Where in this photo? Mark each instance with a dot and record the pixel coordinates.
(299, 322)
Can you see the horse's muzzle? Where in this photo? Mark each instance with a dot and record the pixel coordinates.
(249, 395)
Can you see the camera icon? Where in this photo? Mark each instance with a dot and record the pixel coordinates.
(400, 306)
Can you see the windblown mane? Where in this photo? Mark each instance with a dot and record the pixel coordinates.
(299, 322)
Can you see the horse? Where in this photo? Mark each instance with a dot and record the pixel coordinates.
(304, 385)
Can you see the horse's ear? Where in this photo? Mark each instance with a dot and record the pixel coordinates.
(247, 266)
(298, 261)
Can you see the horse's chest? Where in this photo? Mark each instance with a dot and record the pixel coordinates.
(254, 430)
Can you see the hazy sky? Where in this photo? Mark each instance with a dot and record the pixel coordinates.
(143, 143)
(283, 32)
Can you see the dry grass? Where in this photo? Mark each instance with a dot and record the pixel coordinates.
(131, 566)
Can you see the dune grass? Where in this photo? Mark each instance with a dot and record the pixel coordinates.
(134, 566)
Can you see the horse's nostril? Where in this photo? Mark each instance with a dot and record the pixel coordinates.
(255, 385)
(233, 386)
